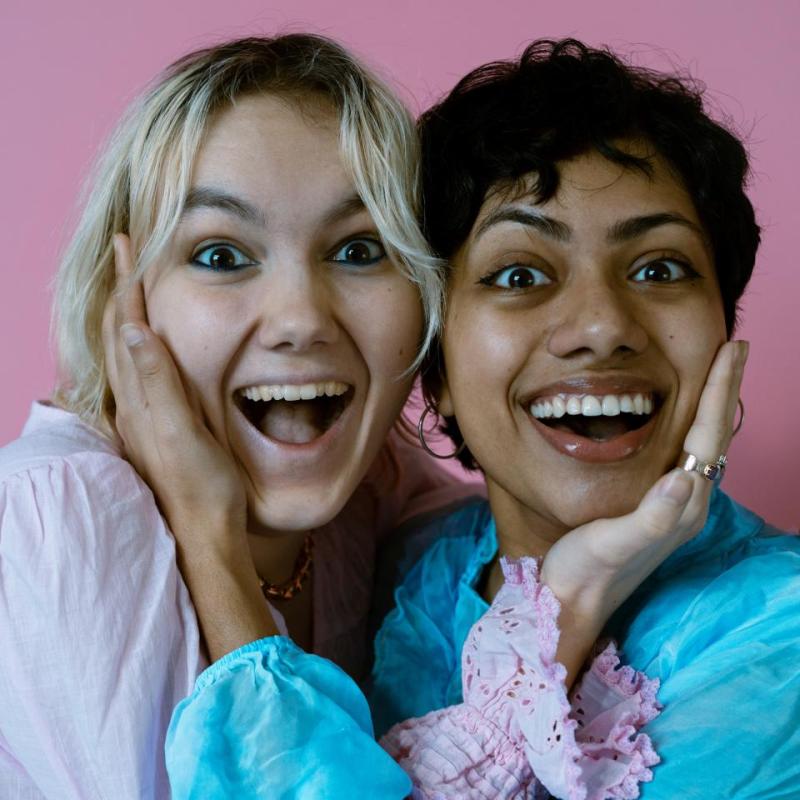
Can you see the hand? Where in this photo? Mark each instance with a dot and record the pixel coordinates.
(191, 474)
(193, 477)
(594, 568)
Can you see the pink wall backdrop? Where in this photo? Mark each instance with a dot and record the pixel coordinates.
(68, 69)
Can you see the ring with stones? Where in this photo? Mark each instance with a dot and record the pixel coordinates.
(713, 471)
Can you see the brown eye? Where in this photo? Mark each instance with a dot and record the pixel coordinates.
(221, 258)
(520, 279)
(360, 252)
(516, 278)
(664, 270)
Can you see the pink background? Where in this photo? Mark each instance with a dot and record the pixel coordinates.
(68, 69)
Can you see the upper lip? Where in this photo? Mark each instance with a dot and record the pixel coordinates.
(597, 385)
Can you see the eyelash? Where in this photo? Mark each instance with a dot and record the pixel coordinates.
(349, 242)
(231, 248)
(491, 279)
(242, 260)
(689, 273)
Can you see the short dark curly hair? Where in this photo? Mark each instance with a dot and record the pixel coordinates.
(560, 99)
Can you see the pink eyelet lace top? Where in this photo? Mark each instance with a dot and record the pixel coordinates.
(517, 735)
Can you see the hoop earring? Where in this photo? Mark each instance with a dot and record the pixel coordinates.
(738, 427)
(421, 435)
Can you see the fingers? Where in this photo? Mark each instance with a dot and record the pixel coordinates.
(712, 429)
(661, 513)
(124, 304)
(160, 381)
(130, 296)
(710, 434)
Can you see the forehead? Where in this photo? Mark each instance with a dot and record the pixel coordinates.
(266, 139)
(595, 192)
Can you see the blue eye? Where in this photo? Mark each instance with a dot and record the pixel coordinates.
(359, 252)
(663, 270)
(221, 258)
(517, 277)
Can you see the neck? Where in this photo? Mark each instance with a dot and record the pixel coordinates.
(275, 553)
(521, 531)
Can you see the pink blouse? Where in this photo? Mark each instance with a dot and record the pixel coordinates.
(517, 736)
(99, 640)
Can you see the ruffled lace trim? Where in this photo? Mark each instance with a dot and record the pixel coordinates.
(628, 682)
(516, 735)
(524, 572)
(583, 757)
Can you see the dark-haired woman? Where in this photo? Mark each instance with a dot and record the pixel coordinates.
(599, 238)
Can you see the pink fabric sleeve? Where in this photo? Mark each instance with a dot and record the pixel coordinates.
(517, 735)
(99, 639)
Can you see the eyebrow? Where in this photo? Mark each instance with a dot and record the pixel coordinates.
(526, 216)
(628, 229)
(209, 197)
(351, 205)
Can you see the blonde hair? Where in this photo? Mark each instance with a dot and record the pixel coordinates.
(141, 180)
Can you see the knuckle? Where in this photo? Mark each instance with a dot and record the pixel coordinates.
(661, 523)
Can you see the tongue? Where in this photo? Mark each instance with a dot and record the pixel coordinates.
(292, 422)
(599, 429)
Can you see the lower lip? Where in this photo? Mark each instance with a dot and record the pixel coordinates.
(592, 452)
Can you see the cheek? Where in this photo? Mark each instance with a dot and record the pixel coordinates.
(196, 329)
(690, 344)
(484, 349)
(387, 327)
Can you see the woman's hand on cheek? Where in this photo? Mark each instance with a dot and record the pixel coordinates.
(595, 568)
(192, 476)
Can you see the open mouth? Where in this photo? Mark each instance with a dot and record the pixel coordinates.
(600, 419)
(596, 428)
(294, 413)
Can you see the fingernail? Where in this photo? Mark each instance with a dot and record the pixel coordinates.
(677, 485)
(744, 350)
(131, 334)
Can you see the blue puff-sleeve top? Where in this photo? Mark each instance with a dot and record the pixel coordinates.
(718, 623)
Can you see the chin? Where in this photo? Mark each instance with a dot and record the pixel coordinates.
(303, 510)
(600, 497)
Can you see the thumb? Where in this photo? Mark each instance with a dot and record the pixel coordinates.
(159, 378)
(660, 510)
(143, 350)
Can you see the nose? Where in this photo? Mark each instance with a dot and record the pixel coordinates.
(596, 319)
(298, 310)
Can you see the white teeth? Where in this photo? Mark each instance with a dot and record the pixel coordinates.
(591, 406)
(293, 392)
(588, 405)
(610, 406)
(573, 405)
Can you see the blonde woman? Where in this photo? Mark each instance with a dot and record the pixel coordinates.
(265, 190)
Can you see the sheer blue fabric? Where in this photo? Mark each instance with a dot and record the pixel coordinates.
(718, 623)
(271, 721)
